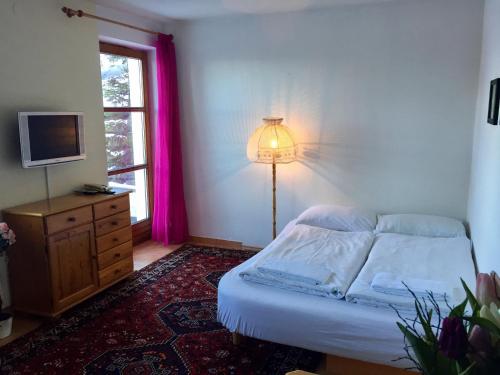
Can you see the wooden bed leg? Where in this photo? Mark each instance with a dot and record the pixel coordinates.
(237, 338)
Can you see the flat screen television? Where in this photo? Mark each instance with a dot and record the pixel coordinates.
(51, 138)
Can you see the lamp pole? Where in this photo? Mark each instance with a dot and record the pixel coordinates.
(274, 199)
(273, 144)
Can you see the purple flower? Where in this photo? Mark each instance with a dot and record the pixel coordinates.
(7, 236)
(453, 338)
(4, 228)
(480, 340)
(481, 344)
(11, 237)
(486, 289)
(496, 281)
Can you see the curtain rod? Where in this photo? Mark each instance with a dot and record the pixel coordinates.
(80, 13)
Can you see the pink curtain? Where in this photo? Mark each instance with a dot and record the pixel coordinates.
(169, 214)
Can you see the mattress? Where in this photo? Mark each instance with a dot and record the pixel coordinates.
(310, 322)
(441, 259)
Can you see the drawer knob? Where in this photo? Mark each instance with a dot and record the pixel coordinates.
(115, 239)
(114, 223)
(117, 255)
(71, 219)
(113, 207)
(118, 271)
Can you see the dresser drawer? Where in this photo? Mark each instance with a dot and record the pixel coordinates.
(111, 207)
(112, 223)
(113, 239)
(116, 271)
(68, 219)
(114, 255)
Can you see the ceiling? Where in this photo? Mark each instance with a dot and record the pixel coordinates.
(193, 9)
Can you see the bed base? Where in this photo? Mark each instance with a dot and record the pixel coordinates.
(345, 366)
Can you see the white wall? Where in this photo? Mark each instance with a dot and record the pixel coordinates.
(48, 63)
(125, 36)
(381, 98)
(51, 63)
(484, 198)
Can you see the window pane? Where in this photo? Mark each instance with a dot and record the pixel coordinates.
(121, 81)
(125, 145)
(138, 183)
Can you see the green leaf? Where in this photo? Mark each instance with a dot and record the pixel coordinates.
(472, 300)
(426, 325)
(424, 353)
(459, 310)
(445, 365)
(468, 370)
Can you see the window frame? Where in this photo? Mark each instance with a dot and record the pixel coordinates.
(141, 231)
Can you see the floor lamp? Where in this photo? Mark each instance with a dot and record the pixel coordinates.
(272, 143)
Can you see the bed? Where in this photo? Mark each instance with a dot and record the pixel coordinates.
(330, 326)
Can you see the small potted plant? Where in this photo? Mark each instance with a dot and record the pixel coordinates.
(7, 238)
(466, 342)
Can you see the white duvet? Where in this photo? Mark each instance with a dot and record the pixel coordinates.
(442, 260)
(312, 260)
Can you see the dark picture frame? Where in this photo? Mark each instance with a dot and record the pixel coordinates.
(494, 102)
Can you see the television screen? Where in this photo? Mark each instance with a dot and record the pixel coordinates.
(53, 136)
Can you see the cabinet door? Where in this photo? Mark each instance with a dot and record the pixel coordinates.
(73, 265)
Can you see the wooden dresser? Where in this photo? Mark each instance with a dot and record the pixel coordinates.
(68, 248)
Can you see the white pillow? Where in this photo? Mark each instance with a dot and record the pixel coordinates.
(341, 218)
(420, 225)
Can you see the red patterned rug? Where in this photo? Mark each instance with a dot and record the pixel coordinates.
(162, 320)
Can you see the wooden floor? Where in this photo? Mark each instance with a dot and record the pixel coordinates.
(144, 254)
(21, 325)
(149, 252)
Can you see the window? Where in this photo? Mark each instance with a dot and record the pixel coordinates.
(126, 121)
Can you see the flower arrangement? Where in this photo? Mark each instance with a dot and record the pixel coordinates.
(7, 237)
(462, 343)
